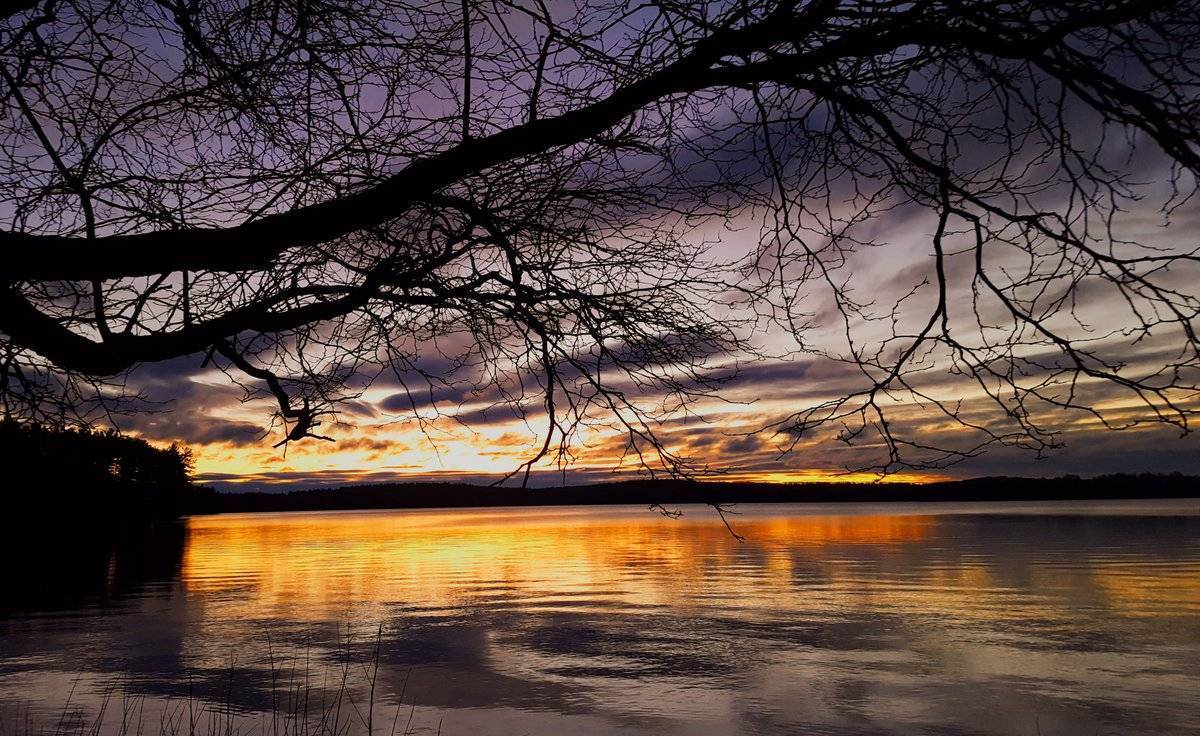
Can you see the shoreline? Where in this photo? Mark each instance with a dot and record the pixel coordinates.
(679, 493)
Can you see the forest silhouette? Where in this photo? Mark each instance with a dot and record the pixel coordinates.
(89, 513)
(102, 476)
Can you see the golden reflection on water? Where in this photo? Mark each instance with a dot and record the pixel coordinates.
(353, 565)
(1001, 620)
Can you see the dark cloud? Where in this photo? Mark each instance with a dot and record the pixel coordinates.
(195, 428)
(185, 402)
(769, 373)
(427, 396)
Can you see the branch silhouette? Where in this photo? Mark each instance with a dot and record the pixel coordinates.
(321, 192)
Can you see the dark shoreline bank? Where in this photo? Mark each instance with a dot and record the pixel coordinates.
(676, 492)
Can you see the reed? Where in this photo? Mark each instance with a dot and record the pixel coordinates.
(306, 698)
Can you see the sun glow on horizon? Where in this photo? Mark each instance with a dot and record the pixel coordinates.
(722, 446)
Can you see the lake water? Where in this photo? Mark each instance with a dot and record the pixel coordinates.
(1056, 618)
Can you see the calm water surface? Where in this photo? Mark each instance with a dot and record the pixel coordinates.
(1003, 619)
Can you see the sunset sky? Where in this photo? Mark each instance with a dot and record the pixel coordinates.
(414, 237)
(469, 434)
(375, 445)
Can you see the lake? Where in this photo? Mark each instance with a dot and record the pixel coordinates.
(1050, 618)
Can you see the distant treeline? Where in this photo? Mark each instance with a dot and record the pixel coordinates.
(669, 492)
(103, 477)
(97, 476)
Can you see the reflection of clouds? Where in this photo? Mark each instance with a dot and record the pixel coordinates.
(610, 620)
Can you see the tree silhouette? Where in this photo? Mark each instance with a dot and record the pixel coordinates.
(311, 193)
(93, 477)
